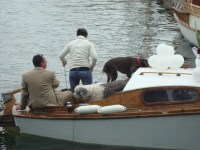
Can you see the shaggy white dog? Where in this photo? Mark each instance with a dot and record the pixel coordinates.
(94, 92)
(86, 93)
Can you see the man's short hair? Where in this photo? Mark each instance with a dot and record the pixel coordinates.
(82, 31)
(37, 59)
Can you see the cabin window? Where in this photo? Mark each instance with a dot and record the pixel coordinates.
(170, 95)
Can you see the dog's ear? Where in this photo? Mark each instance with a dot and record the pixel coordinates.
(144, 63)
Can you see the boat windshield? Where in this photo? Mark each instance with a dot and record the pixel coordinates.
(170, 95)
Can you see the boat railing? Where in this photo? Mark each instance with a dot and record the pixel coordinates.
(162, 73)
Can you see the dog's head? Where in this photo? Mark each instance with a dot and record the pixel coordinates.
(81, 94)
(88, 93)
(144, 63)
(139, 62)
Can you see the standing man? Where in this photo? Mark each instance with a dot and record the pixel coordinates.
(38, 87)
(81, 51)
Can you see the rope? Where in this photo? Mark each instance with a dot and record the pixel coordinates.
(65, 77)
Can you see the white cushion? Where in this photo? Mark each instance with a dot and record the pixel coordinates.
(111, 109)
(87, 109)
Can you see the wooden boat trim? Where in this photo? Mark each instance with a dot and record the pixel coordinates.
(161, 73)
(96, 116)
(183, 19)
(192, 9)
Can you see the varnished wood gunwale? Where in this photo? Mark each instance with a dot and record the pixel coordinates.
(194, 2)
(183, 15)
(183, 19)
(128, 114)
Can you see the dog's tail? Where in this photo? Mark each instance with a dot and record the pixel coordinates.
(111, 72)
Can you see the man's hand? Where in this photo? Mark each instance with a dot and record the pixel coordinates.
(64, 62)
(91, 68)
(18, 107)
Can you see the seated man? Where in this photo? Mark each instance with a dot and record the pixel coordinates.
(38, 87)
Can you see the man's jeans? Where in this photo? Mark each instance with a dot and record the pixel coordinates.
(75, 76)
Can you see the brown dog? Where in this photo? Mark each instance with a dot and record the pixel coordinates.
(125, 65)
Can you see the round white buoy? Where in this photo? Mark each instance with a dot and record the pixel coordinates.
(165, 50)
(176, 61)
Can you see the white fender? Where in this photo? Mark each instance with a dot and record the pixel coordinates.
(111, 109)
(14, 111)
(87, 109)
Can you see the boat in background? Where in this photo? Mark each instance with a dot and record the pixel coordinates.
(162, 111)
(188, 19)
(7, 101)
(192, 6)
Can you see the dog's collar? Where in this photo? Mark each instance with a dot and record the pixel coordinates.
(138, 61)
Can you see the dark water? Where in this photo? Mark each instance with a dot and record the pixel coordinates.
(116, 27)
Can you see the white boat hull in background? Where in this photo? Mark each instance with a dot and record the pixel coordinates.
(188, 32)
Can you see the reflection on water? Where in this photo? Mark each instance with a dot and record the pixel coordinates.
(7, 137)
(116, 27)
(24, 141)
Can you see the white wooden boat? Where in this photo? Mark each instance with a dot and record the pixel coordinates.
(188, 19)
(162, 111)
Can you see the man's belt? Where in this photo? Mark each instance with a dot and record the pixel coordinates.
(80, 69)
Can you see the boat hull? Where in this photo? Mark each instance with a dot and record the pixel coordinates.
(171, 132)
(188, 19)
(188, 34)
